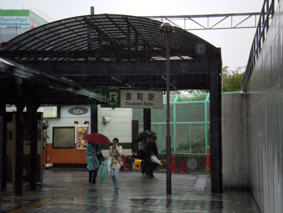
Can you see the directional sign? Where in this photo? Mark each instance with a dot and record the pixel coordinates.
(114, 98)
(141, 99)
(134, 99)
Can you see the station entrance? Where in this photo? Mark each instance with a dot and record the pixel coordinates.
(11, 149)
(110, 51)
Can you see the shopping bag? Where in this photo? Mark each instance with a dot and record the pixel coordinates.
(109, 161)
(102, 172)
(154, 159)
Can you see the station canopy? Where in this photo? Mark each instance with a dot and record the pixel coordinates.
(109, 51)
(30, 86)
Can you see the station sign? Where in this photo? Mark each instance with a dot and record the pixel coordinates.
(114, 98)
(134, 99)
(78, 111)
(141, 99)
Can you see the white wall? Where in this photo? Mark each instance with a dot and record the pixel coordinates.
(120, 125)
(67, 119)
(234, 143)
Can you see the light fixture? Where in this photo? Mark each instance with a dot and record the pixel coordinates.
(76, 122)
(105, 119)
(86, 123)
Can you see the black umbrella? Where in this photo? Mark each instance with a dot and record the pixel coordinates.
(143, 136)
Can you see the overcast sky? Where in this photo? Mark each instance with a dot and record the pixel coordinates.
(234, 43)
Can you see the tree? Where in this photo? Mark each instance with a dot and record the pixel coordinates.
(179, 92)
(232, 79)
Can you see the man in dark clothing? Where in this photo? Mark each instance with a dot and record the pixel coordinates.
(150, 149)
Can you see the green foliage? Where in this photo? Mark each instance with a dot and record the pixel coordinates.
(198, 97)
(189, 91)
(232, 79)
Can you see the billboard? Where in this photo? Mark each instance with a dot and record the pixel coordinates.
(16, 22)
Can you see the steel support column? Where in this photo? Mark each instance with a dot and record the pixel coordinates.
(168, 135)
(0, 160)
(32, 114)
(215, 132)
(146, 119)
(93, 118)
(19, 149)
(3, 144)
(167, 29)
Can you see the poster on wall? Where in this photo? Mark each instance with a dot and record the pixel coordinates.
(82, 131)
(63, 137)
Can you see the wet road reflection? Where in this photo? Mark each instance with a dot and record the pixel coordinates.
(137, 193)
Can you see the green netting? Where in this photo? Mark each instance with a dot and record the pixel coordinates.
(183, 138)
(189, 112)
(159, 115)
(172, 98)
(208, 110)
(161, 131)
(198, 138)
(189, 123)
(190, 138)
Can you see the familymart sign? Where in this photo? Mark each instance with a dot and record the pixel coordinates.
(134, 99)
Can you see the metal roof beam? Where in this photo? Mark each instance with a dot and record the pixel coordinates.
(210, 24)
(23, 55)
(136, 68)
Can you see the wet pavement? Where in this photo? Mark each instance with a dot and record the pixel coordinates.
(68, 191)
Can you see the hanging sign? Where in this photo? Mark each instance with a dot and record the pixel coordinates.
(133, 99)
(141, 99)
(78, 110)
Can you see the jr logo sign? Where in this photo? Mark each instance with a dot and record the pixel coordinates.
(114, 98)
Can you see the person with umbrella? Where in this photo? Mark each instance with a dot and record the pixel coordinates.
(94, 155)
(92, 152)
(143, 138)
(116, 152)
(150, 150)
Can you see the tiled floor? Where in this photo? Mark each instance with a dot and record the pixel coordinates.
(68, 191)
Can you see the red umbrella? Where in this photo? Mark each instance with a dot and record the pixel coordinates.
(96, 138)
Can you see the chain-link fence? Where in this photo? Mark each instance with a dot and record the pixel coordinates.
(189, 124)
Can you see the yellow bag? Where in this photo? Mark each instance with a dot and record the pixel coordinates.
(95, 164)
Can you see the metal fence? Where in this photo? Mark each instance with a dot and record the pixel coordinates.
(189, 124)
(266, 15)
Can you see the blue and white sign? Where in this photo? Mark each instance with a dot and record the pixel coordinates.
(78, 111)
(14, 21)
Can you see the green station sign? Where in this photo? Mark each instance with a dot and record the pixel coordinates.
(114, 98)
